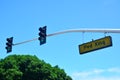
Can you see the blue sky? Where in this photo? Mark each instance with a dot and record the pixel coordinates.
(22, 19)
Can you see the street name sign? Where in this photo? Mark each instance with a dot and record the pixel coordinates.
(95, 45)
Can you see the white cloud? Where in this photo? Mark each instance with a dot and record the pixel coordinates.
(116, 70)
(98, 74)
(97, 71)
(88, 73)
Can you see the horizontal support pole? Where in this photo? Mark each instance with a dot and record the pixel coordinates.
(87, 30)
(75, 30)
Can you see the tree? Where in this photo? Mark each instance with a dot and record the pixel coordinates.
(27, 67)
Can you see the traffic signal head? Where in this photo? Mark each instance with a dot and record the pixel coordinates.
(9, 44)
(42, 35)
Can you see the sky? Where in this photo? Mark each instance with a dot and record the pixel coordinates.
(21, 20)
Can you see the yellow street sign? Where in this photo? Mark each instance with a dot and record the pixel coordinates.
(95, 45)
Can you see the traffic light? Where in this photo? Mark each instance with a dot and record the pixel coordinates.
(9, 44)
(42, 35)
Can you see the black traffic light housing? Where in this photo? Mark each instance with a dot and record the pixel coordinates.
(9, 44)
(42, 35)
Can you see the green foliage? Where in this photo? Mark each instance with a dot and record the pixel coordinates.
(27, 67)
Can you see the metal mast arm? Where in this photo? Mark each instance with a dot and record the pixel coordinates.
(86, 30)
(75, 30)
